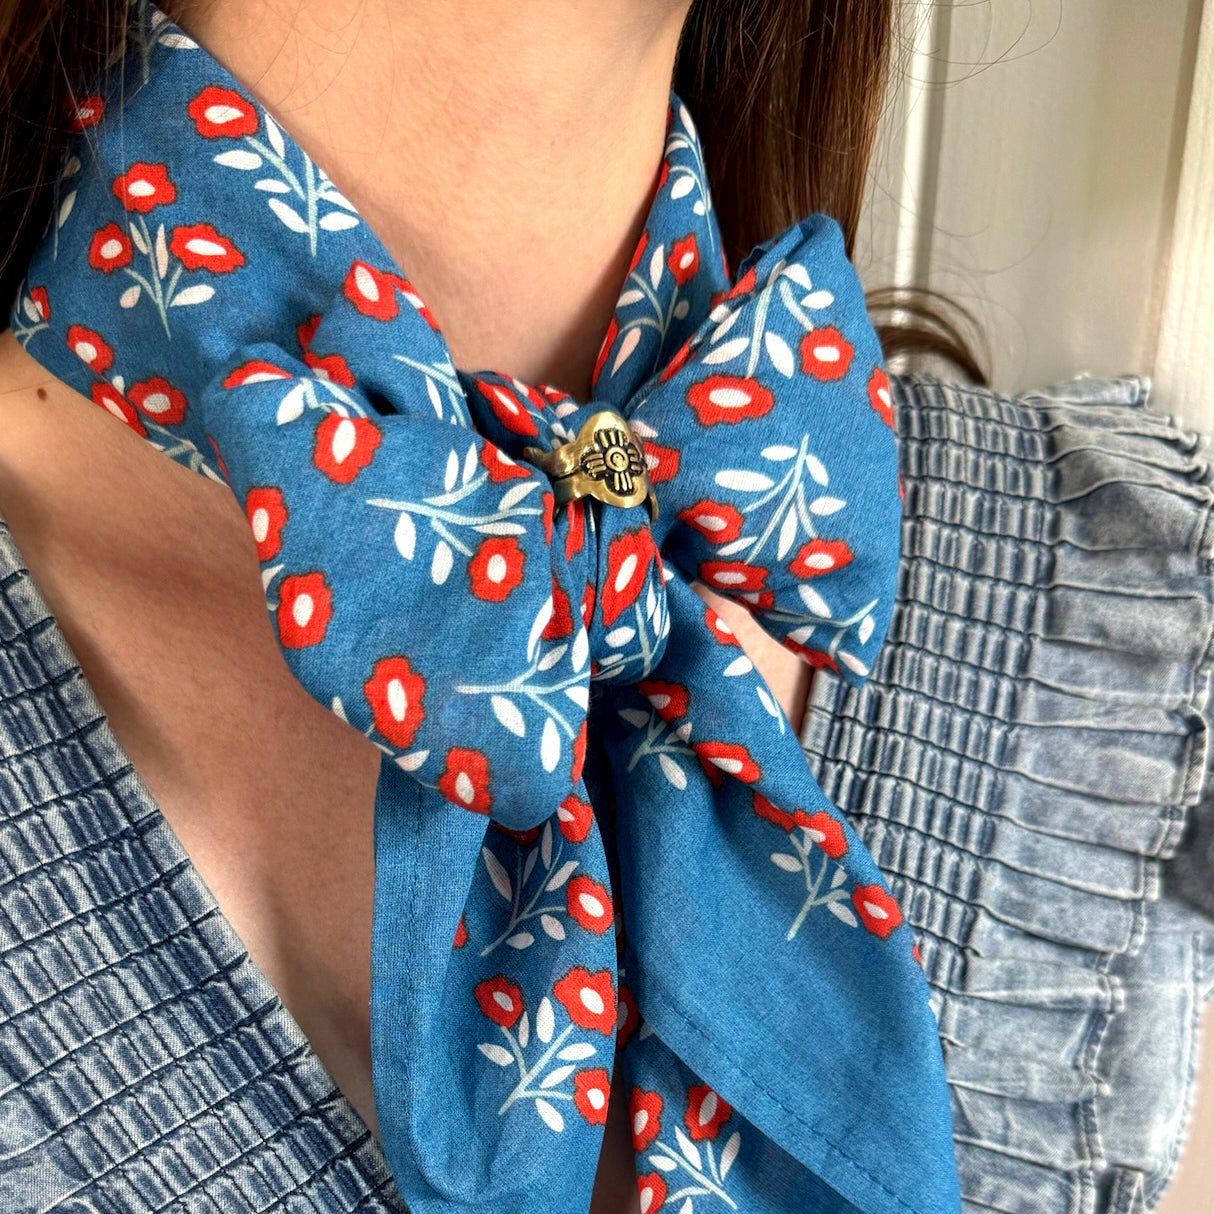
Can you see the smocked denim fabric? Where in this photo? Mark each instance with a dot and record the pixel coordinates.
(1022, 763)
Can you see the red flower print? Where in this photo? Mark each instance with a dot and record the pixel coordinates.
(825, 353)
(254, 372)
(728, 757)
(86, 111)
(628, 559)
(332, 367)
(466, 780)
(266, 512)
(305, 606)
(110, 249)
(200, 247)
(670, 699)
(684, 258)
(628, 1017)
(589, 903)
(608, 341)
(726, 398)
(744, 284)
(461, 934)
(877, 910)
(38, 295)
(496, 568)
(523, 837)
(879, 396)
(344, 446)
(579, 754)
(574, 817)
(501, 1001)
(112, 401)
(371, 291)
(706, 1112)
(645, 1113)
(219, 459)
(652, 1189)
(575, 534)
(394, 691)
(158, 399)
(820, 556)
(661, 463)
(915, 954)
(591, 1090)
(222, 114)
(676, 364)
(716, 522)
(639, 251)
(410, 293)
(588, 604)
(561, 623)
(588, 998)
(773, 813)
(733, 575)
(499, 465)
(549, 506)
(508, 408)
(720, 629)
(817, 659)
(144, 186)
(306, 330)
(90, 347)
(827, 834)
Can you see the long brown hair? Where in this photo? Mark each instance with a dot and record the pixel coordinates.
(787, 96)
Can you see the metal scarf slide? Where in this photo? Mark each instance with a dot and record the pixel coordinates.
(600, 853)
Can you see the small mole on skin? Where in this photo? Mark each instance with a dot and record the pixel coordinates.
(42, 394)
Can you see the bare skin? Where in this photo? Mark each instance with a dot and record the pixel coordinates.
(514, 201)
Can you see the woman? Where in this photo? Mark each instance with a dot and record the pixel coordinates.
(317, 763)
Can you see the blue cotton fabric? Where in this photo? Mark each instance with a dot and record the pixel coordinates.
(599, 846)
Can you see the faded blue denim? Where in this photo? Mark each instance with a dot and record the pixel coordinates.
(1024, 761)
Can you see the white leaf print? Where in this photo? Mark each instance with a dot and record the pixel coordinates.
(799, 274)
(440, 563)
(497, 874)
(435, 399)
(337, 221)
(620, 636)
(641, 429)
(735, 546)
(730, 1152)
(552, 1119)
(681, 309)
(336, 197)
(699, 207)
(162, 252)
(742, 481)
(839, 877)
(177, 42)
(780, 354)
(562, 874)
(130, 297)
(627, 346)
(726, 351)
(802, 634)
(516, 493)
(545, 1022)
(550, 746)
(497, 1054)
(866, 629)
(842, 911)
(291, 405)
(818, 299)
(790, 864)
(778, 452)
(580, 695)
(405, 535)
(524, 1028)
(538, 626)
(651, 602)
(199, 293)
(740, 665)
(238, 158)
(788, 534)
(521, 940)
(685, 1208)
(72, 166)
(629, 297)
(546, 845)
(558, 1076)
(767, 702)
(271, 185)
(581, 649)
(452, 474)
(65, 209)
(508, 715)
(673, 772)
(287, 214)
(119, 383)
(275, 136)
(683, 186)
(690, 1151)
(813, 600)
(826, 505)
(663, 1163)
(817, 470)
(267, 575)
(636, 717)
(413, 760)
(138, 241)
(725, 321)
(851, 661)
(655, 266)
(500, 528)
(550, 659)
(31, 311)
(577, 1053)
(338, 709)
(553, 927)
(529, 866)
(470, 462)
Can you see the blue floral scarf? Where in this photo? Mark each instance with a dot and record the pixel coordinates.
(599, 849)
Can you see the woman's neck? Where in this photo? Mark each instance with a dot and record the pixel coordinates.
(504, 150)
